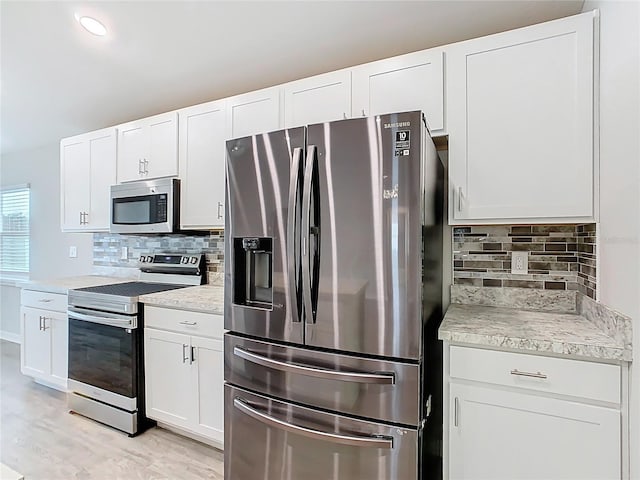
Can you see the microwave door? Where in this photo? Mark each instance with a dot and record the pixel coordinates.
(263, 296)
(134, 210)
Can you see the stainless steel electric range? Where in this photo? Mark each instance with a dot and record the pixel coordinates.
(106, 351)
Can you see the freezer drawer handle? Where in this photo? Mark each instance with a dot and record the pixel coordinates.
(375, 442)
(357, 377)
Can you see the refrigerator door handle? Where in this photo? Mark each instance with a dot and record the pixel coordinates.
(311, 371)
(291, 231)
(369, 441)
(306, 232)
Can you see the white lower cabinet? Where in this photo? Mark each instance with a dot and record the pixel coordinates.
(45, 332)
(184, 373)
(497, 434)
(167, 376)
(494, 431)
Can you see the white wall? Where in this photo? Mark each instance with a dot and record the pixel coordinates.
(49, 256)
(619, 256)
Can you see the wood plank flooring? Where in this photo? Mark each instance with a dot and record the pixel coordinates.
(40, 439)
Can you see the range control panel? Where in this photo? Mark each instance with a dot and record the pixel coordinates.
(172, 263)
(170, 259)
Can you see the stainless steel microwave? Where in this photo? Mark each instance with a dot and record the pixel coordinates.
(150, 206)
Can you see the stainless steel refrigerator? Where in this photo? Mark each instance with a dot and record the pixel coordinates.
(333, 296)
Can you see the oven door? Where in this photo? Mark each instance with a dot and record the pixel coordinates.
(103, 356)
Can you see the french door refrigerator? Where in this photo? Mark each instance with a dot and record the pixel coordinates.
(333, 296)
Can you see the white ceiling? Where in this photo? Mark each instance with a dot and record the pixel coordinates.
(57, 80)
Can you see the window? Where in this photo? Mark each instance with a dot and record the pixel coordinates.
(14, 233)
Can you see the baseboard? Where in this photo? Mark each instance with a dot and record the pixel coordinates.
(194, 436)
(10, 337)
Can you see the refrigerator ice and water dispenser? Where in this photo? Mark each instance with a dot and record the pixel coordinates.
(253, 275)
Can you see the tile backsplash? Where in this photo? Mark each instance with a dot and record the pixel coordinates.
(107, 248)
(561, 257)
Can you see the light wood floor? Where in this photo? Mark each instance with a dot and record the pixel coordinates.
(41, 440)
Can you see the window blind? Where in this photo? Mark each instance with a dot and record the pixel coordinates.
(14, 230)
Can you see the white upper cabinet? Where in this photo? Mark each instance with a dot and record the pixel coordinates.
(148, 148)
(203, 131)
(520, 122)
(87, 170)
(254, 112)
(399, 84)
(318, 99)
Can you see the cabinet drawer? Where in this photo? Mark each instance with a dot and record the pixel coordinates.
(597, 381)
(191, 323)
(44, 300)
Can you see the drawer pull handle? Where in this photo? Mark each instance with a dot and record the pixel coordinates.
(188, 323)
(45, 300)
(528, 374)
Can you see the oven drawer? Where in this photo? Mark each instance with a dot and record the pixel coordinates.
(44, 300)
(597, 381)
(268, 438)
(381, 389)
(183, 321)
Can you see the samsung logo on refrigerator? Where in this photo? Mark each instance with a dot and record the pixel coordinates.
(393, 193)
(397, 124)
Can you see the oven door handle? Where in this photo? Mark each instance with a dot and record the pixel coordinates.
(365, 441)
(111, 321)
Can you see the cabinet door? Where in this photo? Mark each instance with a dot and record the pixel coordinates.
(497, 434)
(202, 165)
(35, 353)
(161, 159)
(102, 154)
(131, 151)
(318, 99)
(75, 184)
(57, 326)
(520, 123)
(167, 377)
(253, 113)
(399, 84)
(208, 379)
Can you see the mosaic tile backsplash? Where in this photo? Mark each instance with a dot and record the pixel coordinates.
(107, 248)
(561, 257)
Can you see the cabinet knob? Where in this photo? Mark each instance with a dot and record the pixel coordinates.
(363, 113)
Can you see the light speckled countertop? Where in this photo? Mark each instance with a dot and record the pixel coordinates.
(64, 284)
(203, 298)
(544, 332)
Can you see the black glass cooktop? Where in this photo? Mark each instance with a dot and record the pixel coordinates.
(131, 289)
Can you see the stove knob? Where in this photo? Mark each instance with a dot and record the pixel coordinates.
(184, 260)
(194, 260)
(142, 258)
(149, 258)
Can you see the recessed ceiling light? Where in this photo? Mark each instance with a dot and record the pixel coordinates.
(92, 25)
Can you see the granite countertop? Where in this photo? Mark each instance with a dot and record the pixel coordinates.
(544, 332)
(64, 284)
(203, 298)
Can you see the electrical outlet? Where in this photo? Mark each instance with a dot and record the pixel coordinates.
(124, 253)
(73, 251)
(520, 263)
